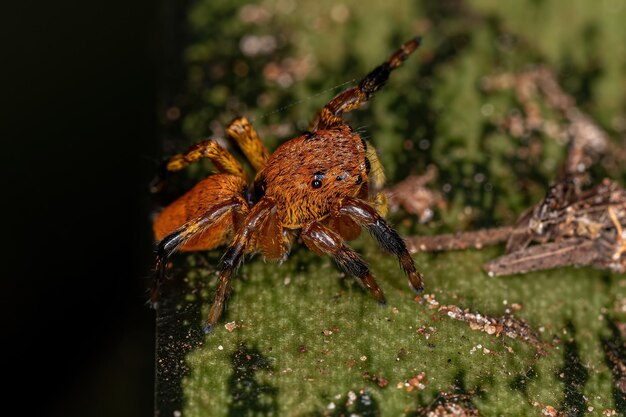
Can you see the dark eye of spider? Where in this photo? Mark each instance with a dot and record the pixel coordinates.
(316, 183)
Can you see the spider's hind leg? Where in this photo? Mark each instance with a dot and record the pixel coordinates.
(177, 239)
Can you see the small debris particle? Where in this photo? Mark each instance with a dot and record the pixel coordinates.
(416, 381)
(426, 332)
(230, 326)
(351, 398)
(331, 406)
(516, 306)
(327, 332)
(549, 411)
(287, 370)
(220, 347)
(609, 412)
(302, 349)
(177, 413)
(287, 281)
(401, 354)
(590, 409)
(400, 385)
(382, 382)
(395, 310)
(363, 358)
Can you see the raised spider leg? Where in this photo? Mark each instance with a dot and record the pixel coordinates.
(210, 149)
(233, 256)
(241, 131)
(322, 240)
(388, 239)
(353, 98)
(172, 242)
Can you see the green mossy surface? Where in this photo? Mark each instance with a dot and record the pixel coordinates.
(279, 361)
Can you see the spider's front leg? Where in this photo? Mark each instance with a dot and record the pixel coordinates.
(388, 239)
(210, 149)
(241, 131)
(322, 240)
(234, 255)
(352, 99)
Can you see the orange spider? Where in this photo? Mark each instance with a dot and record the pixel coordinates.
(322, 186)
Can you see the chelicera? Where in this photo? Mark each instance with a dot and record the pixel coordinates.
(322, 186)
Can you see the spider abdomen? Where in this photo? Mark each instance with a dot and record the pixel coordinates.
(200, 199)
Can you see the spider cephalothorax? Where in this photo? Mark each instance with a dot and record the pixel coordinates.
(323, 186)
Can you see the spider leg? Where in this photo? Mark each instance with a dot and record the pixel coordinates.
(241, 131)
(323, 240)
(331, 114)
(171, 243)
(233, 256)
(210, 149)
(388, 239)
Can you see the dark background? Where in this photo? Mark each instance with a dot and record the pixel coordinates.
(80, 137)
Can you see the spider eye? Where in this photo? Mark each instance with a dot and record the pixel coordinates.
(316, 183)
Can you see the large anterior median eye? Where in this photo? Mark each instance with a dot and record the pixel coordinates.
(317, 179)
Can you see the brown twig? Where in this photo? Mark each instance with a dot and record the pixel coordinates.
(459, 241)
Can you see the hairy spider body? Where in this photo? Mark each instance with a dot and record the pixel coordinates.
(323, 186)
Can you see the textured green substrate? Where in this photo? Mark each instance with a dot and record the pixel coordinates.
(288, 365)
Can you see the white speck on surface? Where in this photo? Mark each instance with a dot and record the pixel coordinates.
(220, 347)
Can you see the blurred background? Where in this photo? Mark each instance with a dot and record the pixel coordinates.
(97, 93)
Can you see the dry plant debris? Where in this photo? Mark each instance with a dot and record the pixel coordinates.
(414, 197)
(571, 225)
(507, 325)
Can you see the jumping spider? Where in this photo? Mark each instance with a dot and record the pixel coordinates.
(322, 186)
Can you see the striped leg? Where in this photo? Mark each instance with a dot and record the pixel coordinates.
(322, 240)
(352, 99)
(388, 239)
(241, 131)
(210, 149)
